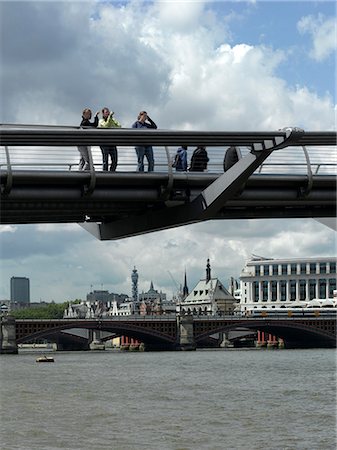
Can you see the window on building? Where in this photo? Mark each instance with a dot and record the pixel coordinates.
(255, 291)
(266, 270)
(302, 290)
(312, 267)
(332, 267)
(303, 268)
(273, 291)
(322, 267)
(332, 286)
(312, 289)
(257, 270)
(293, 269)
(322, 288)
(284, 269)
(275, 269)
(292, 290)
(265, 291)
(283, 290)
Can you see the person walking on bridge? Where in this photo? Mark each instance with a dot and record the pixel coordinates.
(144, 121)
(199, 160)
(84, 149)
(108, 121)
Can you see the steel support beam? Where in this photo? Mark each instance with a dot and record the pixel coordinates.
(205, 206)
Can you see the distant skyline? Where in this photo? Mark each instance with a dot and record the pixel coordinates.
(192, 65)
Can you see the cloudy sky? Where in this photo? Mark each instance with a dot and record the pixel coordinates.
(192, 65)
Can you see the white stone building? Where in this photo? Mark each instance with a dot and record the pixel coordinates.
(276, 283)
(209, 297)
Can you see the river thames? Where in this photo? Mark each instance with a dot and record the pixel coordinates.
(208, 399)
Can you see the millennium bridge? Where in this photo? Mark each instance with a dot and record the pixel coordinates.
(288, 173)
(175, 332)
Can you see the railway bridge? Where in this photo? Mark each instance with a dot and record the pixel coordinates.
(175, 332)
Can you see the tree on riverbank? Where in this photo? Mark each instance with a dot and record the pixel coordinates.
(50, 311)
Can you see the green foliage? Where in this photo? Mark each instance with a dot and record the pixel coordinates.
(51, 311)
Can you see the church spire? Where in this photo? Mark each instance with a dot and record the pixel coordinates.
(208, 271)
(185, 288)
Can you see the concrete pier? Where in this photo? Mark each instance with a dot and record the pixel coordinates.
(8, 343)
(97, 343)
(186, 339)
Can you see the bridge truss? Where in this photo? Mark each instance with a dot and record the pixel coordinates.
(289, 173)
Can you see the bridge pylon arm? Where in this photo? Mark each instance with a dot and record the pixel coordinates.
(204, 207)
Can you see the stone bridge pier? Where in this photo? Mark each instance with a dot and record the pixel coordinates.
(185, 331)
(8, 343)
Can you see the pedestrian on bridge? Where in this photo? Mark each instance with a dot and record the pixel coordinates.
(84, 150)
(144, 121)
(180, 159)
(231, 158)
(199, 160)
(108, 121)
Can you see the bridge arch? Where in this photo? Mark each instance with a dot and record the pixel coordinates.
(149, 335)
(294, 334)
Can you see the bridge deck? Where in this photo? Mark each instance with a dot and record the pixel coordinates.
(40, 182)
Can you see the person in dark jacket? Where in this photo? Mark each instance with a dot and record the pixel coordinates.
(144, 121)
(231, 158)
(199, 160)
(84, 149)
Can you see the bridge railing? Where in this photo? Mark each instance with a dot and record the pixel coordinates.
(54, 148)
(322, 161)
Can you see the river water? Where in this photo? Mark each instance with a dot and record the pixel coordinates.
(208, 399)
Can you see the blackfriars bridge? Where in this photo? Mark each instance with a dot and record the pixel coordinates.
(288, 173)
(175, 332)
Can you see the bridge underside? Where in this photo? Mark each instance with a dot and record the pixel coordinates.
(153, 339)
(131, 203)
(294, 335)
(122, 204)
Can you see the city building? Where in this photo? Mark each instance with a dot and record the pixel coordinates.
(20, 291)
(105, 297)
(209, 297)
(152, 295)
(278, 283)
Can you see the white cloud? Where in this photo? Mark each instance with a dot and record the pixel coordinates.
(323, 33)
(176, 60)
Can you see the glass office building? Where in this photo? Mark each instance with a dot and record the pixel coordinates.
(20, 290)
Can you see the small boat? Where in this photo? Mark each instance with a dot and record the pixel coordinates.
(45, 359)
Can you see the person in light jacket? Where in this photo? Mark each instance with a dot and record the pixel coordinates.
(108, 121)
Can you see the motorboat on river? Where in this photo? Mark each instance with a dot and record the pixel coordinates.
(45, 359)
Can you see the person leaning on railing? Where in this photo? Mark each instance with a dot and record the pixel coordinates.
(108, 121)
(144, 121)
(84, 149)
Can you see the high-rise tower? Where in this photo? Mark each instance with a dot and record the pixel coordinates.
(20, 292)
(134, 279)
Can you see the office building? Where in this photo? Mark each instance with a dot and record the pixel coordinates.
(20, 291)
(277, 283)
